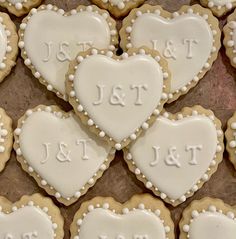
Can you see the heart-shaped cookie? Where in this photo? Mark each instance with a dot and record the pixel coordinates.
(6, 138)
(50, 38)
(118, 8)
(19, 7)
(30, 218)
(8, 45)
(219, 7)
(118, 97)
(208, 218)
(60, 153)
(230, 38)
(178, 154)
(142, 217)
(188, 39)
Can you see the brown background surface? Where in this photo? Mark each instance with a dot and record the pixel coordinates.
(216, 91)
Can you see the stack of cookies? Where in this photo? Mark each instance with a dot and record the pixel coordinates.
(117, 83)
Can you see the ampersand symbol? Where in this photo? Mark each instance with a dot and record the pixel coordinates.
(169, 51)
(63, 156)
(117, 98)
(172, 158)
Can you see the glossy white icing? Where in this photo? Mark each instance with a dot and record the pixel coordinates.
(138, 224)
(58, 39)
(186, 50)
(119, 103)
(26, 220)
(164, 152)
(61, 151)
(212, 225)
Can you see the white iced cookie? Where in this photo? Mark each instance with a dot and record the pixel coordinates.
(6, 138)
(188, 39)
(60, 153)
(118, 97)
(19, 7)
(142, 217)
(208, 218)
(8, 45)
(118, 8)
(219, 7)
(230, 135)
(29, 218)
(51, 38)
(230, 38)
(185, 147)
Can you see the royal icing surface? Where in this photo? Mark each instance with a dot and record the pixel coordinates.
(188, 52)
(186, 157)
(211, 223)
(113, 92)
(29, 222)
(135, 224)
(132, 220)
(57, 43)
(61, 152)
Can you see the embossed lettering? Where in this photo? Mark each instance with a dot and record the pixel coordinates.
(46, 145)
(193, 149)
(63, 154)
(62, 54)
(8, 236)
(117, 96)
(172, 158)
(154, 44)
(49, 51)
(156, 156)
(190, 43)
(30, 235)
(84, 145)
(85, 45)
(169, 51)
(100, 95)
(139, 88)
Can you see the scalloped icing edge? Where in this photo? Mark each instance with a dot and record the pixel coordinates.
(228, 42)
(218, 11)
(40, 181)
(43, 203)
(19, 9)
(197, 207)
(196, 9)
(111, 23)
(83, 115)
(121, 9)
(230, 135)
(6, 139)
(142, 201)
(185, 112)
